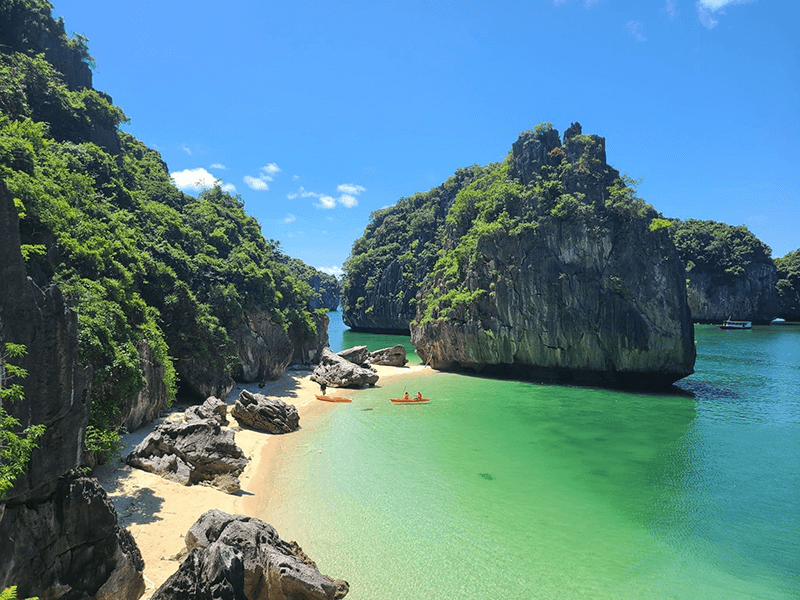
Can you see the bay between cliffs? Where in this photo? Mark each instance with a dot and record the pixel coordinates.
(503, 489)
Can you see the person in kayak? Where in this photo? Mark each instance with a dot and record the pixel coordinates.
(419, 396)
(406, 396)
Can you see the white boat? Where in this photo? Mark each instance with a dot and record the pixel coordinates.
(730, 324)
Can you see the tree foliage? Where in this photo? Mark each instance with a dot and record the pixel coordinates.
(718, 249)
(15, 446)
(788, 285)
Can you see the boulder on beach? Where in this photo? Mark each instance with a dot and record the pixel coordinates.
(358, 355)
(392, 357)
(235, 556)
(335, 371)
(212, 409)
(259, 412)
(193, 452)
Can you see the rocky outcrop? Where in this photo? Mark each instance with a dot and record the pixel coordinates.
(69, 546)
(335, 371)
(263, 347)
(243, 558)
(191, 453)
(307, 351)
(261, 413)
(201, 377)
(588, 290)
(751, 296)
(393, 357)
(263, 350)
(213, 409)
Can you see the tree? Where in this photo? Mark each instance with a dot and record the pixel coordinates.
(15, 448)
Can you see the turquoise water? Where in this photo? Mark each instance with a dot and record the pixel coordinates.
(505, 490)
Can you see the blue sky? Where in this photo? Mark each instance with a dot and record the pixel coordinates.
(318, 113)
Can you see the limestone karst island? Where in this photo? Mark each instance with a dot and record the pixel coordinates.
(189, 412)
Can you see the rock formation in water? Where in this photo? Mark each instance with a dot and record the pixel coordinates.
(729, 272)
(553, 269)
(242, 558)
(58, 537)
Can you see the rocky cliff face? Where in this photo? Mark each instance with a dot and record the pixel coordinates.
(58, 537)
(326, 293)
(751, 296)
(578, 287)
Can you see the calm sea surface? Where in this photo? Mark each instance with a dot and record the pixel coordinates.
(507, 490)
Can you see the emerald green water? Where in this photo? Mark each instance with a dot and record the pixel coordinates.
(500, 489)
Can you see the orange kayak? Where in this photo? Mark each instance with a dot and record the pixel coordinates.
(411, 399)
(333, 399)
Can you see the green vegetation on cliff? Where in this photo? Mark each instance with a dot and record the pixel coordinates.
(407, 237)
(15, 447)
(140, 261)
(718, 249)
(789, 286)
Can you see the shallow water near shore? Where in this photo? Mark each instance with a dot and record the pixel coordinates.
(502, 489)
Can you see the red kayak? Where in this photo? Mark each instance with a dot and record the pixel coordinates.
(333, 399)
(410, 399)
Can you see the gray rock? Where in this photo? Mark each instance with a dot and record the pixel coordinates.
(213, 409)
(749, 297)
(259, 412)
(234, 556)
(152, 399)
(69, 546)
(358, 355)
(335, 371)
(393, 357)
(190, 453)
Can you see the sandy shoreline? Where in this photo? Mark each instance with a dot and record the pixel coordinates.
(159, 512)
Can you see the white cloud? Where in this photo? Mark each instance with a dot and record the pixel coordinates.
(228, 187)
(707, 9)
(218, 166)
(636, 30)
(289, 218)
(718, 4)
(186, 149)
(303, 193)
(335, 270)
(350, 188)
(347, 198)
(270, 169)
(670, 8)
(256, 183)
(326, 202)
(348, 201)
(296, 177)
(193, 179)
